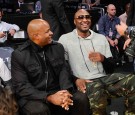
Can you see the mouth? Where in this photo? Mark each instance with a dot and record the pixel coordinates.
(85, 25)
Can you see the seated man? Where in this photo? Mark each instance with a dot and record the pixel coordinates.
(106, 26)
(41, 77)
(6, 28)
(89, 56)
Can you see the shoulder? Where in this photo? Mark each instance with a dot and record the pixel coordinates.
(117, 18)
(98, 35)
(56, 44)
(68, 37)
(21, 50)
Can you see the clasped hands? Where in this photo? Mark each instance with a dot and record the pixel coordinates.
(11, 32)
(61, 98)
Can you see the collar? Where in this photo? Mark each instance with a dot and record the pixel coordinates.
(37, 48)
(110, 18)
(87, 38)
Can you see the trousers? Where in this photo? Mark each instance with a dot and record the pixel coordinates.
(111, 86)
(42, 108)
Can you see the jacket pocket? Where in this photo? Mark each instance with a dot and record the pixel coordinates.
(57, 65)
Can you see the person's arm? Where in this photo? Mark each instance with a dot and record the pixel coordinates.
(21, 83)
(11, 26)
(101, 26)
(108, 65)
(97, 2)
(65, 76)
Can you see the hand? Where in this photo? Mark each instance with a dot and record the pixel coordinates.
(81, 84)
(17, 10)
(96, 57)
(61, 98)
(121, 28)
(127, 42)
(2, 34)
(116, 41)
(112, 43)
(12, 32)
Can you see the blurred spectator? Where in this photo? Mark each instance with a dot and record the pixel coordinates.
(123, 17)
(131, 15)
(17, 4)
(54, 13)
(106, 26)
(6, 28)
(91, 2)
(38, 6)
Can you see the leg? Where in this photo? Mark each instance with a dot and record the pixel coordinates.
(126, 88)
(81, 104)
(97, 97)
(35, 108)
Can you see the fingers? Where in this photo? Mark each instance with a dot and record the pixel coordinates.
(82, 90)
(96, 57)
(66, 102)
(126, 43)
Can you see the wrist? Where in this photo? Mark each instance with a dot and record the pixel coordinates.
(126, 32)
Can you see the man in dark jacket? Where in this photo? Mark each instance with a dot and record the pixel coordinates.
(41, 76)
(53, 12)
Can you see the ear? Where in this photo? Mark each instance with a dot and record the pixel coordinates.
(74, 22)
(35, 36)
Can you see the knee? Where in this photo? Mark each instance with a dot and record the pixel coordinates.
(37, 108)
(81, 97)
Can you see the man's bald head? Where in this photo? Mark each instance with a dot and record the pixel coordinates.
(111, 10)
(35, 26)
(39, 32)
(110, 6)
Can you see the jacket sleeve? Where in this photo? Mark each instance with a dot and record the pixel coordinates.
(101, 26)
(23, 88)
(65, 77)
(108, 65)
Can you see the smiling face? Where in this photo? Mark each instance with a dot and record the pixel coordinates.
(82, 21)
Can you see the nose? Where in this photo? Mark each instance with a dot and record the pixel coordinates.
(51, 33)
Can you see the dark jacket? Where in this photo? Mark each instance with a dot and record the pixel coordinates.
(29, 72)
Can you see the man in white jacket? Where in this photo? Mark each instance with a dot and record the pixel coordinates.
(6, 28)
